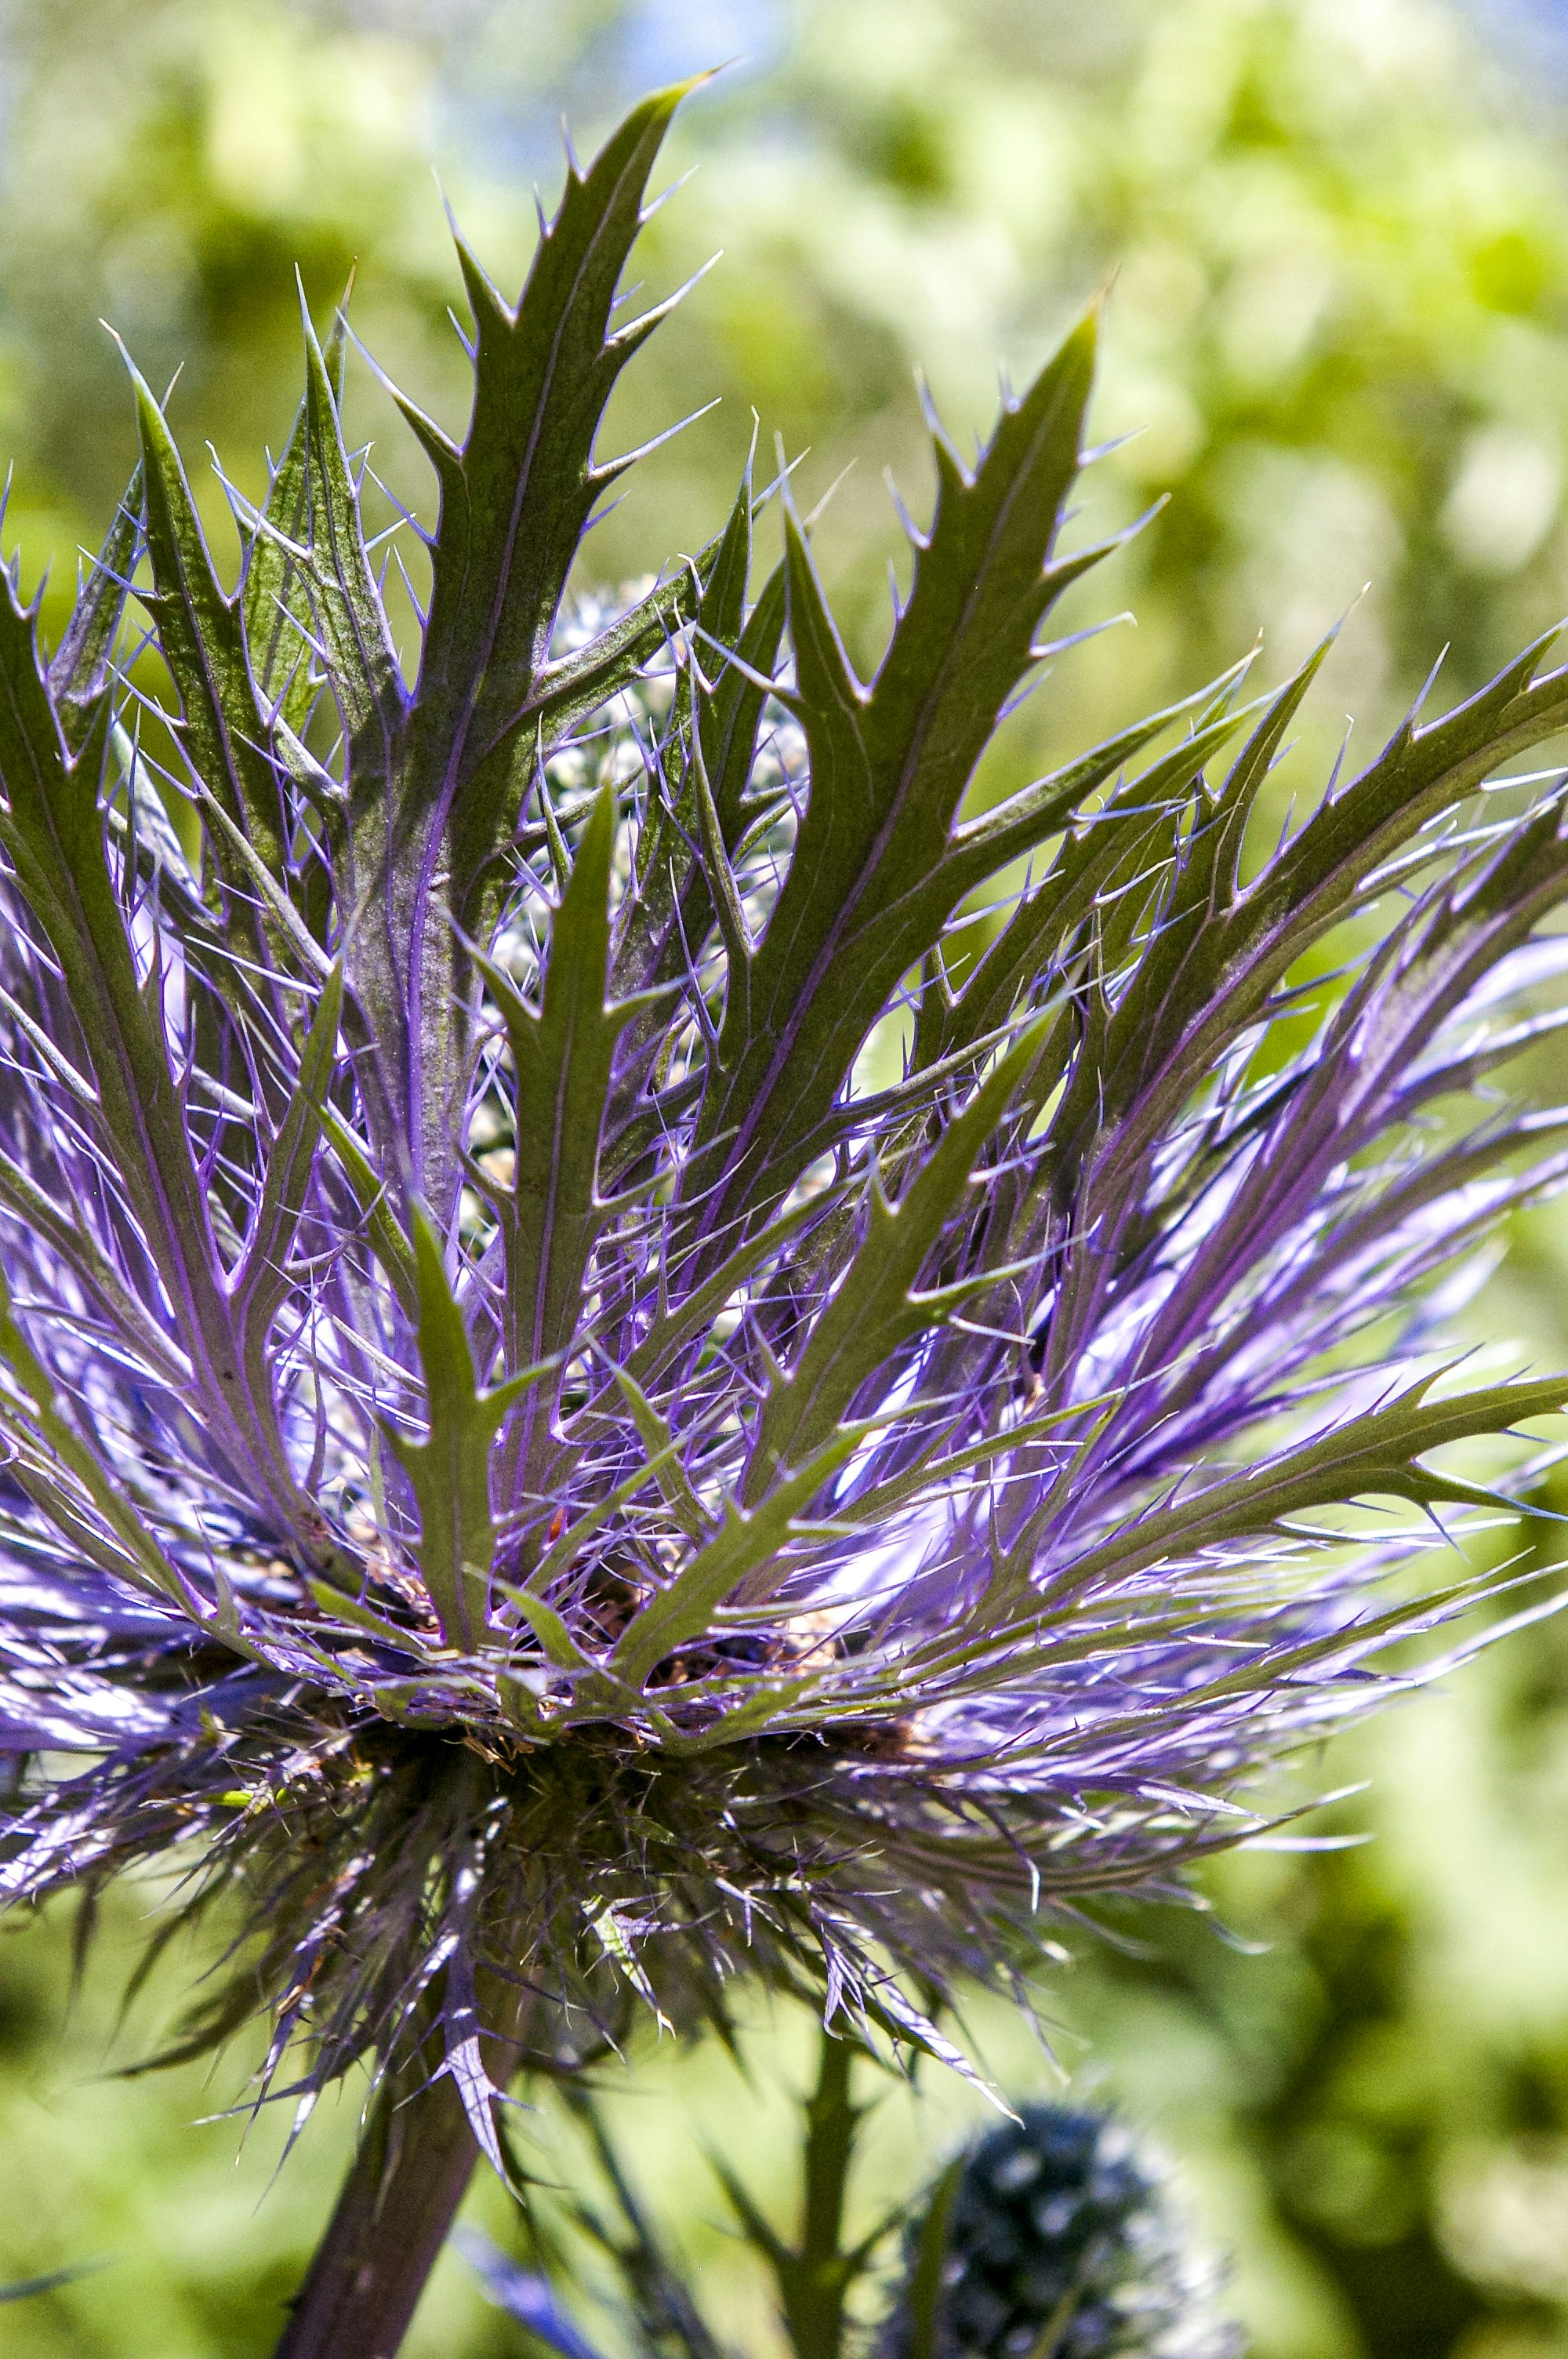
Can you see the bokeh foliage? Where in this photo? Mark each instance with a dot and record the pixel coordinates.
(1339, 236)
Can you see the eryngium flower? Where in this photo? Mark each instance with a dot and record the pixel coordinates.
(1055, 2236)
(638, 1341)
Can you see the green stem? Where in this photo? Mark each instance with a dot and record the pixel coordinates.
(817, 2282)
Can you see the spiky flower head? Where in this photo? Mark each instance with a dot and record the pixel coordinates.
(1054, 2238)
(638, 1342)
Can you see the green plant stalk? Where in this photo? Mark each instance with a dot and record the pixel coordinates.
(815, 2291)
(814, 2277)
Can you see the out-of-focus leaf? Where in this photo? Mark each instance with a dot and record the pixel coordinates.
(50, 2281)
(523, 2294)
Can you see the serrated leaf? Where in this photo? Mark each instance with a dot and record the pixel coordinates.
(261, 1283)
(80, 668)
(201, 637)
(562, 1060)
(746, 1539)
(664, 1460)
(730, 654)
(1378, 1451)
(890, 766)
(388, 1240)
(53, 830)
(489, 702)
(875, 1308)
(515, 498)
(274, 605)
(448, 1471)
(352, 628)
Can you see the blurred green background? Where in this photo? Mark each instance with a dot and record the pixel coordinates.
(1335, 235)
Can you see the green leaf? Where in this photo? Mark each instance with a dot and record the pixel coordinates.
(680, 1323)
(359, 659)
(890, 766)
(815, 2275)
(747, 1540)
(288, 926)
(1320, 877)
(516, 497)
(448, 1471)
(262, 1282)
(1180, 975)
(80, 669)
(340, 1608)
(664, 1460)
(875, 1307)
(53, 829)
(717, 716)
(274, 604)
(201, 637)
(562, 1059)
(1376, 1453)
(428, 865)
(922, 2295)
(388, 1240)
(1132, 830)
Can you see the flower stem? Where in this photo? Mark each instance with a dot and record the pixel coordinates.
(414, 2164)
(816, 2286)
(415, 2160)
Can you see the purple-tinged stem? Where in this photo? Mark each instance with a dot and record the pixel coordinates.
(415, 2160)
(403, 2188)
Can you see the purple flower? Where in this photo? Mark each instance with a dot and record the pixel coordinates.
(638, 1344)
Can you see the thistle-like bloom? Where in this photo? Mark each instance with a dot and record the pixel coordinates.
(1055, 2235)
(639, 1344)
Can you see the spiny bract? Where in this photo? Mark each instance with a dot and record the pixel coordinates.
(637, 1342)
